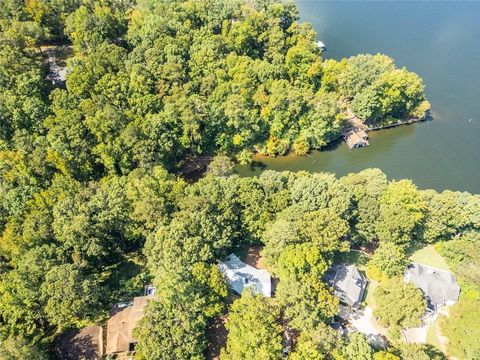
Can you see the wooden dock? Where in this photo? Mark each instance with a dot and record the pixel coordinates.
(355, 133)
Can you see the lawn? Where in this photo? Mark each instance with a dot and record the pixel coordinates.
(430, 257)
(369, 299)
(432, 338)
(358, 258)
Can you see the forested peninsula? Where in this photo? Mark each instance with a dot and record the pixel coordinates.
(93, 213)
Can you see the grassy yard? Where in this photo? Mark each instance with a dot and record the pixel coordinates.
(429, 256)
(432, 338)
(352, 257)
(369, 299)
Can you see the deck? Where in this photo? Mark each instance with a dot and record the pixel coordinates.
(355, 133)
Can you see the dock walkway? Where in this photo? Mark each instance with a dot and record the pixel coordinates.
(355, 132)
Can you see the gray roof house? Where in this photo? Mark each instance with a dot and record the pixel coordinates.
(439, 286)
(241, 275)
(348, 283)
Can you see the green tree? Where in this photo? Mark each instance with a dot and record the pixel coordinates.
(170, 331)
(153, 194)
(395, 94)
(306, 303)
(445, 216)
(263, 339)
(319, 191)
(21, 307)
(69, 296)
(463, 256)
(23, 100)
(257, 209)
(91, 24)
(461, 330)
(399, 305)
(319, 343)
(419, 352)
(389, 260)
(358, 348)
(325, 229)
(401, 212)
(19, 349)
(361, 71)
(221, 165)
(367, 188)
(385, 355)
(93, 224)
(301, 261)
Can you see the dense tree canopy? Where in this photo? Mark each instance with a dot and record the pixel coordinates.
(358, 348)
(388, 261)
(91, 209)
(462, 320)
(263, 340)
(399, 305)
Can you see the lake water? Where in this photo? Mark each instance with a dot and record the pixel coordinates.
(438, 40)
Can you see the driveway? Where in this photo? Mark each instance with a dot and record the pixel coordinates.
(362, 320)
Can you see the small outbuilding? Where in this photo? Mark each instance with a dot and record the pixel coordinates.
(356, 138)
(439, 286)
(241, 275)
(321, 45)
(348, 284)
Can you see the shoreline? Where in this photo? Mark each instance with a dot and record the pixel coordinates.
(402, 122)
(258, 156)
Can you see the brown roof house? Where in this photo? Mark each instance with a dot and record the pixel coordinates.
(80, 344)
(120, 326)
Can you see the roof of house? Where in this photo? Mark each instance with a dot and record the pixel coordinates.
(438, 285)
(348, 283)
(80, 344)
(241, 275)
(355, 138)
(120, 326)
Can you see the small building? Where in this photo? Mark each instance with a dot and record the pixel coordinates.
(321, 45)
(120, 327)
(86, 343)
(356, 138)
(348, 284)
(241, 275)
(439, 286)
(150, 290)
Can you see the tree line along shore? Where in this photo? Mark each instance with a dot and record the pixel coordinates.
(91, 210)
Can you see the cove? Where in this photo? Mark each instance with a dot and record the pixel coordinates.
(438, 40)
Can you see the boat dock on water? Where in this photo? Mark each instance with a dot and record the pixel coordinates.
(356, 138)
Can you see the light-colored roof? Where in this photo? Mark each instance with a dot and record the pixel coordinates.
(120, 326)
(348, 283)
(438, 285)
(241, 275)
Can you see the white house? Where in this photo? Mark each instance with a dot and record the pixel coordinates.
(241, 275)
